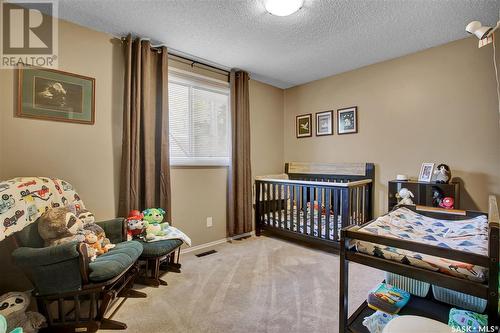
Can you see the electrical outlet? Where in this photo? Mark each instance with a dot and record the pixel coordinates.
(209, 222)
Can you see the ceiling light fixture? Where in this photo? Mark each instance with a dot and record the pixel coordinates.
(283, 7)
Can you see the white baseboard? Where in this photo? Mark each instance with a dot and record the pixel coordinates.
(217, 242)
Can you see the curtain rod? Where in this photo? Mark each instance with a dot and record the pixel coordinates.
(191, 61)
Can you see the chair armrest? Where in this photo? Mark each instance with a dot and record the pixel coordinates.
(115, 229)
(27, 256)
(55, 269)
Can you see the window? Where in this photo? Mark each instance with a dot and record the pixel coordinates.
(199, 120)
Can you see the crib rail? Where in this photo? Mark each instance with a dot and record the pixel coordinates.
(316, 209)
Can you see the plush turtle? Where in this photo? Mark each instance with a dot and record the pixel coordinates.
(13, 307)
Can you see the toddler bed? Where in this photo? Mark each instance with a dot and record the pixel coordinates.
(455, 251)
(312, 202)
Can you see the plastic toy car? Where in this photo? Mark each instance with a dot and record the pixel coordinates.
(9, 222)
(6, 203)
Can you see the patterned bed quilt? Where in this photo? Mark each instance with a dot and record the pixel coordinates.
(469, 235)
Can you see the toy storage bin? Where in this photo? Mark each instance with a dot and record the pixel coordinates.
(459, 299)
(414, 287)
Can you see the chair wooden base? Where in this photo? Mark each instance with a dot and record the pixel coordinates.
(89, 306)
(155, 267)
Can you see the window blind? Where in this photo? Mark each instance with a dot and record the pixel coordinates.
(199, 119)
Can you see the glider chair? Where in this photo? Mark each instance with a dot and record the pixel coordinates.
(73, 292)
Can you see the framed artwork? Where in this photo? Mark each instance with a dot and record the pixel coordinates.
(347, 120)
(303, 127)
(324, 123)
(426, 172)
(55, 95)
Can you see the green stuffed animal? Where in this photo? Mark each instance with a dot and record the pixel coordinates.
(153, 218)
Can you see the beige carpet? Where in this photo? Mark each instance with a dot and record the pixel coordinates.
(254, 285)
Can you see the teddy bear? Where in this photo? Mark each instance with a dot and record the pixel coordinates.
(13, 307)
(59, 225)
(154, 222)
(135, 224)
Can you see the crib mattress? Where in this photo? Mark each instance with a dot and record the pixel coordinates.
(469, 235)
(319, 229)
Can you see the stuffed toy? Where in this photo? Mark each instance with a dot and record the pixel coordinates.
(88, 220)
(154, 226)
(442, 174)
(135, 224)
(13, 307)
(404, 197)
(93, 244)
(447, 203)
(59, 225)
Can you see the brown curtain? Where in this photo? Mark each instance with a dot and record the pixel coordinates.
(240, 174)
(145, 169)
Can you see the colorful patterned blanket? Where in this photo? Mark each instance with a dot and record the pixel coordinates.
(172, 233)
(469, 235)
(23, 200)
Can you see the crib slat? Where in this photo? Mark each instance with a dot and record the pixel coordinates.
(287, 220)
(311, 215)
(335, 213)
(328, 205)
(274, 206)
(320, 213)
(279, 204)
(304, 210)
(297, 209)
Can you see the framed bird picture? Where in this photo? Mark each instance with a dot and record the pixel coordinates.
(303, 127)
(347, 120)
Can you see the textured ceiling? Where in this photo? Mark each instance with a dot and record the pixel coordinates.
(325, 37)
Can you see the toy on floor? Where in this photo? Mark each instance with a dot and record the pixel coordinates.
(154, 222)
(13, 307)
(442, 174)
(135, 224)
(377, 321)
(387, 298)
(467, 321)
(447, 203)
(404, 197)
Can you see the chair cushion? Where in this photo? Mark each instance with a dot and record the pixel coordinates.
(113, 263)
(159, 248)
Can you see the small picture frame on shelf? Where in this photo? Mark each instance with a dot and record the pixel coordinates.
(347, 120)
(324, 123)
(426, 172)
(303, 127)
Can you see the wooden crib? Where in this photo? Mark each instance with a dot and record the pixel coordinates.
(315, 202)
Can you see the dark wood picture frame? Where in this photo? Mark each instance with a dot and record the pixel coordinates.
(319, 114)
(20, 97)
(340, 129)
(297, 125)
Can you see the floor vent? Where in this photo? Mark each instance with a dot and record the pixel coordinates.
(206, 253)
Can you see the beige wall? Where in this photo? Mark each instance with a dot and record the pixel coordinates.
(438, 105)
(86, 156)
(266, 121)
(89, 156)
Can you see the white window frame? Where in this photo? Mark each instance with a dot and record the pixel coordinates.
(211, 85)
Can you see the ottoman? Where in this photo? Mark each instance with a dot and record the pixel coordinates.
(158, 256)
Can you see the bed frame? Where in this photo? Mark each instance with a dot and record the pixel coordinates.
(426, 307)
(347, 189)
